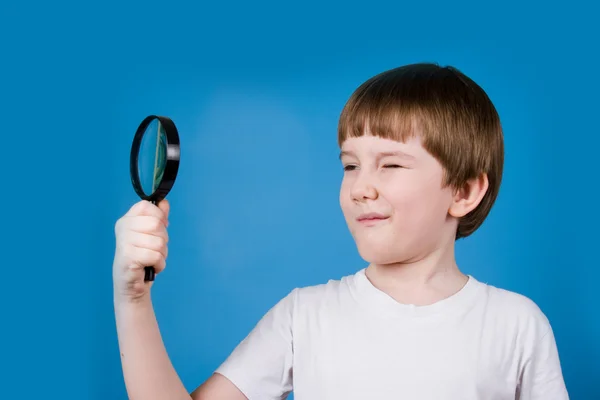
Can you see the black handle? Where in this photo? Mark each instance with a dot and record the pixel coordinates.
(149, 273)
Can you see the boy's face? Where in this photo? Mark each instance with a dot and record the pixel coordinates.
(392, 199)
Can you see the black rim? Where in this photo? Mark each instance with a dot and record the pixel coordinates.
(172, 164)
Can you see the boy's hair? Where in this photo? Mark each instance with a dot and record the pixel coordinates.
(457, 123)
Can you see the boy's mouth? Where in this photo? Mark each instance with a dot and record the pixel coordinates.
(371, 218)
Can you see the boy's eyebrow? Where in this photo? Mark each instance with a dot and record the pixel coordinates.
(383, 154)
(396, 154)
(345, 153)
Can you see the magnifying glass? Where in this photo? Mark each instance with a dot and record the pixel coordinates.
(154, 163)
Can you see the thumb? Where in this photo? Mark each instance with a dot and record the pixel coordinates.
(165, 207)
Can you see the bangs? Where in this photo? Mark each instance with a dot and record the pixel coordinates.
(389, 106)
(377, 118)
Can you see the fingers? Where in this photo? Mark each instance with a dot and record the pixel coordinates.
(142, 232)
(141, 241)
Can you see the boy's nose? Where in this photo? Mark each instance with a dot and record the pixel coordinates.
(363, 190)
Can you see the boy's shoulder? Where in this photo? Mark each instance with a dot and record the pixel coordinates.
(514, 309)
(324, 296)
(320, 291)
(511, 300)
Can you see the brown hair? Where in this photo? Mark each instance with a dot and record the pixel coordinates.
(456, 120)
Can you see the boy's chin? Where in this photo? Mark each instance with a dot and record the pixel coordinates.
(380, 255)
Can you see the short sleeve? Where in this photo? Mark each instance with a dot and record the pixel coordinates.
(542, 377)
(261, 364)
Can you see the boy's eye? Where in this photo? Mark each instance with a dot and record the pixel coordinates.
(392, 166)
(349, 167)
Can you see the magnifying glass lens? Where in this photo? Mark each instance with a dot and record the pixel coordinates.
(152, 157)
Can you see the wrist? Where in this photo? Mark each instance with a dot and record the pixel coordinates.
(127, 302)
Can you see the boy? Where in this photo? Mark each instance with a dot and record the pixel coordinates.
(422, 152)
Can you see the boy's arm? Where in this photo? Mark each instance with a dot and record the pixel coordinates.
(147, 369)
(145, 359)
(542, 376)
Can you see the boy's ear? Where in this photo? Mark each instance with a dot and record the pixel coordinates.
(467, 198)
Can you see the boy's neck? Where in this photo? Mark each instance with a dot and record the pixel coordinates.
(420, 282)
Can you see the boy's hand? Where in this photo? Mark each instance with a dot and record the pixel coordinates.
(141, 241)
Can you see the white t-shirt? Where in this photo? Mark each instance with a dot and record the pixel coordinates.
(348, 340)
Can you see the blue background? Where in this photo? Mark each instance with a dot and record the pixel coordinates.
(256, 90)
